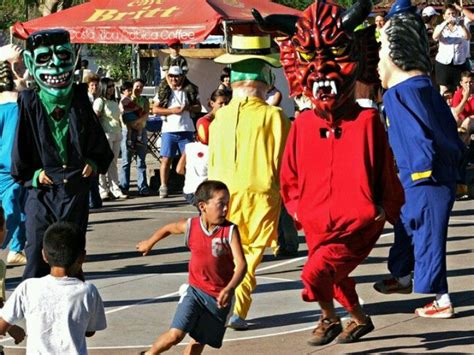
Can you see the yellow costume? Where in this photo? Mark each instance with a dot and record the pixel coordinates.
(246, 142)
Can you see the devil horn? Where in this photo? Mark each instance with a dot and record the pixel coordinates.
(356, 14)
(284, 24)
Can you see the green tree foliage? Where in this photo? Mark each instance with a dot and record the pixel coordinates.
(303, 4)
(115, 59)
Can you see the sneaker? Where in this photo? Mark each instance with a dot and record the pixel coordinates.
(144, 192)
(104, 196)
(389, 286)
(353, 331)
(16, 258)
(325, 332)
(121, 196)
(434, 310)
(237, 323)
(163, 191)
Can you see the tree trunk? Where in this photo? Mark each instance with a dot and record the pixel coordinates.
(48, 7)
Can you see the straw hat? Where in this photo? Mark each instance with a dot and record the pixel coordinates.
(250, 47)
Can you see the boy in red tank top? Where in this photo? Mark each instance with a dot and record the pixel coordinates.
(215, 246)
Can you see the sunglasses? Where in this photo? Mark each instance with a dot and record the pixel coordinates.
(174, 76)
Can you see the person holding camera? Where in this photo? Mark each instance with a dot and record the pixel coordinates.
(453, 55)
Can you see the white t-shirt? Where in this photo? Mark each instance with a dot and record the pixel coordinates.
(197, 161)
(176, 123)
(58, 313)
(452, 46)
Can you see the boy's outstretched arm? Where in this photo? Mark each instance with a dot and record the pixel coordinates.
(145, 246)
(226, 294)
(16, 332)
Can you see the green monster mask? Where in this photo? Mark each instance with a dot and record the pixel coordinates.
(50, 59)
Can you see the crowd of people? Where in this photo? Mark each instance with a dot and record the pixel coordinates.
(61, 143)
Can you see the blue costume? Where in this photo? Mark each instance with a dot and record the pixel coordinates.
(12, 194)
(424, 139)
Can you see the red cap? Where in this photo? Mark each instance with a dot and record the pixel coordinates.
(173, 42)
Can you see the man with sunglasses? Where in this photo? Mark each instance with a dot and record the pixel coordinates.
(177, 100)
(59, 143)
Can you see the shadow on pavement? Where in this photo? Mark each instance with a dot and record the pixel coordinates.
(430, 342)
(132, 254)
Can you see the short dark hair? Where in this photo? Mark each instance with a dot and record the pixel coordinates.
(409, 46)
(449, 6)
(126, 85)
(206, 189)
(2, 218)
(47, 38)
(138, 80)
(224, 75)
(226, 71)
(218, 93)
(63, 243)
(467, 74)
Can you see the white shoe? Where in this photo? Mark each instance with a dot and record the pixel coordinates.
(16, 258)
(163, 191)
(237, 323)
(104, 196)
(119, 195)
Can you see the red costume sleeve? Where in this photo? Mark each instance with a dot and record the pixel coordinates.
(289, 176)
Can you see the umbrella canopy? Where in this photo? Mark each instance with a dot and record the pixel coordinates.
(147, 21)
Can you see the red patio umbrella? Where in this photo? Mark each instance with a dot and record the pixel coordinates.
(147, 21)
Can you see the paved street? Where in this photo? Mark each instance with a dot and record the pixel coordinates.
(140, 293)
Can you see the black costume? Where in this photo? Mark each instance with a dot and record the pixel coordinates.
(34, 149)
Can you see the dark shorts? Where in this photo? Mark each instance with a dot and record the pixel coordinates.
(198, 315)
(449, 74)
(171, 141)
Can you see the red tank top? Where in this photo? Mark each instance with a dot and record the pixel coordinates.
(211, 266)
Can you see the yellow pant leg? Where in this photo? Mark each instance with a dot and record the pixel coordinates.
(243, 298)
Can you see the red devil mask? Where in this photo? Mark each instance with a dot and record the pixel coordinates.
(324, 57)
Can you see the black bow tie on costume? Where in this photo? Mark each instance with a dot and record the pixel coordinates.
(58, 113)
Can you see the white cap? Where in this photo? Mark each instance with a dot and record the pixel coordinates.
(175, 70)
(429, 11)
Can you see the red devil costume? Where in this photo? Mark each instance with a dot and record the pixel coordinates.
(337, 172)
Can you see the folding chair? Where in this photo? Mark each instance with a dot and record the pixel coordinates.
(153, 126)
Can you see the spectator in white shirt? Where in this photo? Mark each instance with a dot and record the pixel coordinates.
(453, 54)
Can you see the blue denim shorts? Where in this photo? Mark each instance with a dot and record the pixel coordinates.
(198, 315)
(171, 141)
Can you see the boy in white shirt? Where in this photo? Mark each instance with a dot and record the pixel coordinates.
(60, 309)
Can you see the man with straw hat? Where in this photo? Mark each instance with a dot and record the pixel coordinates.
(246, 142)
